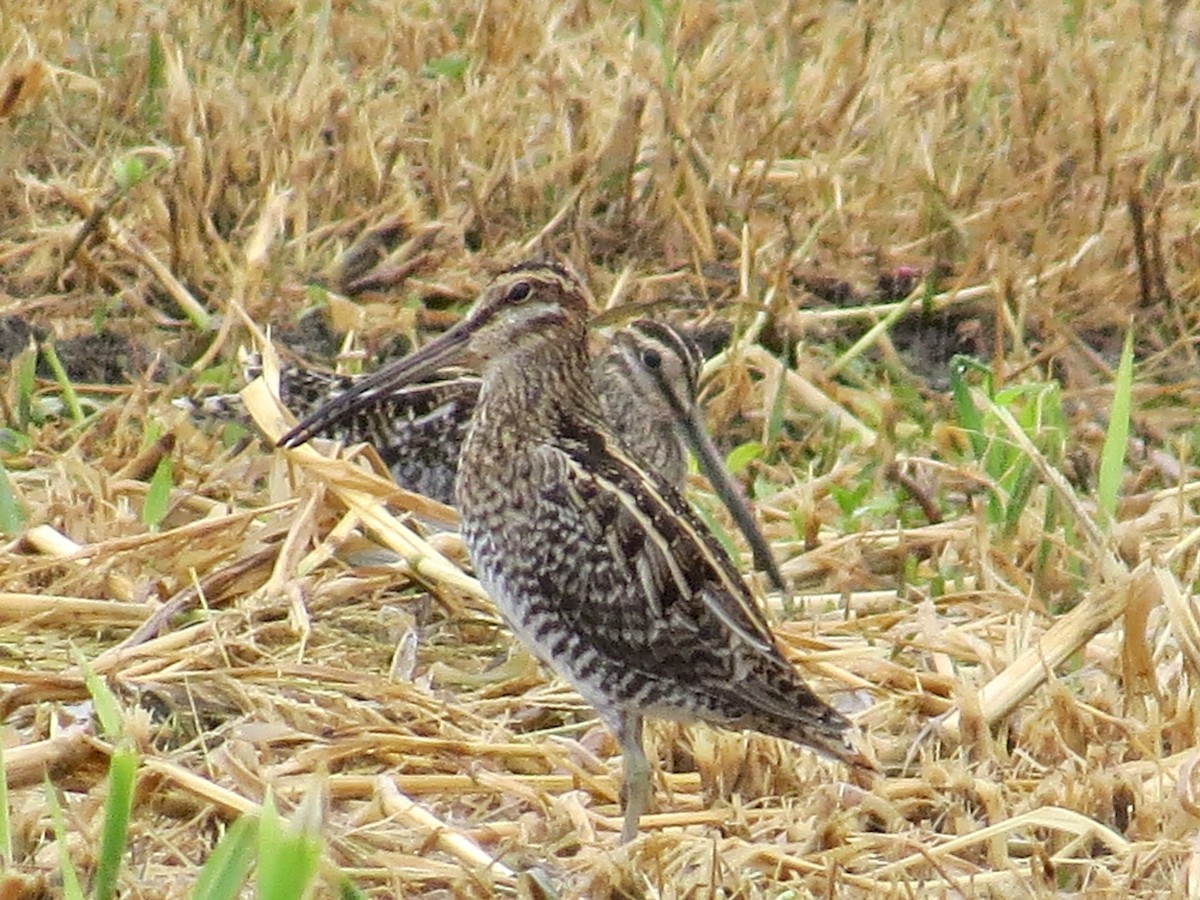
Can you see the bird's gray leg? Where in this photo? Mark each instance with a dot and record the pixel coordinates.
(635, 789)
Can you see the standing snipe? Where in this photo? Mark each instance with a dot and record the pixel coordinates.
(599, 567)
(647, 380)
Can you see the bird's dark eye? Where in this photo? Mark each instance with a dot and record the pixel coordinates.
(652, 359)
(519, 292)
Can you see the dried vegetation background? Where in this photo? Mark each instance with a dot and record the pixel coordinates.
(1013, 182)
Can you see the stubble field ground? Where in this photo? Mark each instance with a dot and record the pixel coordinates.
(919, 234)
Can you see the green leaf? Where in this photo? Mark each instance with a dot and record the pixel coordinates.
(122, 775)
(14, 443)
(156, 80)
(717, 529)
(969, 416)
(763, 487)
(100, 316)
(156, 77)
(778, 405)
(158, 497)
(12, 516)
(1112, 456)
(108, 710)
(26, 374)
(64, 382)
(1073, 13)
(227, 866)
(656, 21)
(128, 171)
(6, 846)
(741, 456)
(151, 432)
(231, 433)
(1024, 480)
(219, 373)
(288, 856)
(71, 889)
(453, 66)
(849, 499)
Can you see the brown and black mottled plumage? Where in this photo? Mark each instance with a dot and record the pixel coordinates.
(600, 567)
(418, 429)
(647, 380)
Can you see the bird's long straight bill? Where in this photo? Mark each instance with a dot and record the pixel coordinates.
(709, 460)
(441, 352)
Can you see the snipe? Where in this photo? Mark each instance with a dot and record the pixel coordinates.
(601, 568)
(647, 380)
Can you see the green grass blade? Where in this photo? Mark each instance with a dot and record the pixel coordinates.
(26, 375)
(1026, 478)
(156, 80)
(1112, 456)
(452, 66)
(288, 856)
(6, 846)
(71, 889)
(850, 498)
(227, 866)
(158, 497)
(656, 25)
(778, 408)
(108, 710)
(128, 171)
(969, 416)
(742, 455)
(270, 838)
(716, 528)
(122, 775)
(70, 398)
(12, 516)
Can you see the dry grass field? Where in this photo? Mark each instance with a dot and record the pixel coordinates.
(992, 575)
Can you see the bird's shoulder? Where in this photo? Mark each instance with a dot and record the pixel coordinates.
(664, 563)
